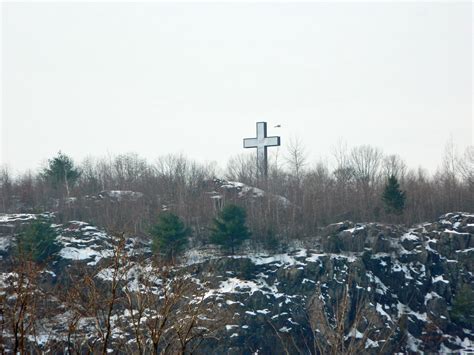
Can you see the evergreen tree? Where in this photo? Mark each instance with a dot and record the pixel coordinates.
(38, 242)
(61, 172)
(170, 235)
(229, 229)
(462, 311)
(393, 197)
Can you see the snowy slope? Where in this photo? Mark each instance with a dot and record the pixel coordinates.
(404, 280)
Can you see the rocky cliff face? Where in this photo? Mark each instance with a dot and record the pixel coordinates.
(368, 288)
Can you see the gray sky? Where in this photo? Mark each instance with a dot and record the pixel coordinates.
(99, 78)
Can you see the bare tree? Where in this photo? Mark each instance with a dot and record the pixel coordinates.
(466, 165)
(346, 322)
(317, 202)
(18, 301)
(394, 165)
(296, 157)
(128, 170)
(98, 300)
(340, 153)
(5, 188)
(365, 162)
(243, 168)
(450, 160)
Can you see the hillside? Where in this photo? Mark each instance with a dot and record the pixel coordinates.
(380, 288)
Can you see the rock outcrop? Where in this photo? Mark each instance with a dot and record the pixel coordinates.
(370, 288)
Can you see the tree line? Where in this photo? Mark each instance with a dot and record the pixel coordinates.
(361, 184)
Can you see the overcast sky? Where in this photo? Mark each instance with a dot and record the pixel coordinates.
(105, 78)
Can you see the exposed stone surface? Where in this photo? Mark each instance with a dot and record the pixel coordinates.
(392, 287)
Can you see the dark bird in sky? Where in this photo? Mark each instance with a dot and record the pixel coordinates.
(278, 126)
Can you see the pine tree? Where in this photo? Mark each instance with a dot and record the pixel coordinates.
(229, 230)
(170, 236)
(61, 172)
(38, 242)
(393, 197)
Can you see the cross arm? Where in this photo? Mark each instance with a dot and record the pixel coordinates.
(272, 141)
(250, 142)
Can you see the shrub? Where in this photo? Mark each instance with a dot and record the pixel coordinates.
(170, 236)
(38, 242)
(229, 230)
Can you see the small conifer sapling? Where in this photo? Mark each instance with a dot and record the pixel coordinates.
(393, 197)
(229, 229)
(169, 236)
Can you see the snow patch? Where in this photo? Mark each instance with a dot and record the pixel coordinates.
(84, 253)
(380, 310)
(430, 296)
(5, 243)
(354, 333)
(16, 217)
(439, 279)
(369, 343)
(454, 232)
(235, 285)
(282, 260)
(409, 236)
(355, 229)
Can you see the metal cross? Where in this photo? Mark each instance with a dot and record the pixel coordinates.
(261, 143)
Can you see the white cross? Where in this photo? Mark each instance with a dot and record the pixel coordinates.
(261, 143)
